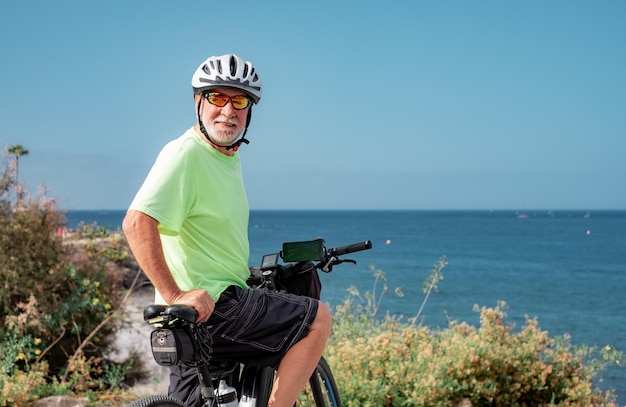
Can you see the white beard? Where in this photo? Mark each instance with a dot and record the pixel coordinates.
(223, 135)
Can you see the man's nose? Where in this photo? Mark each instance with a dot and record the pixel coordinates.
(229, 109)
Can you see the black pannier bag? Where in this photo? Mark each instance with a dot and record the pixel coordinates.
(298, 278)
(171, 346)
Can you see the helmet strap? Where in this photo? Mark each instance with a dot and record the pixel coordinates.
(235, 146)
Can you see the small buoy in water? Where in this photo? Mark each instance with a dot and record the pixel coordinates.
(588, 231)
(388, 241)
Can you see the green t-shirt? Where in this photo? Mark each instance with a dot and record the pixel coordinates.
(196, 194)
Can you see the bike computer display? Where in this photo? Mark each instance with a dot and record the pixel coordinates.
(303, 251)
(269, 261)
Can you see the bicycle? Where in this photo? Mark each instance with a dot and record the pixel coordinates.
(178, 339)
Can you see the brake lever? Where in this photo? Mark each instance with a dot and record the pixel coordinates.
(333, 261)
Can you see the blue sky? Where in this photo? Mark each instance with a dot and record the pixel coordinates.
(366, 104)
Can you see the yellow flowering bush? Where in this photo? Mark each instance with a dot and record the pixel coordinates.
(490, 365)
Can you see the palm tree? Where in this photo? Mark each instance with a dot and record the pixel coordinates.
(17, 150)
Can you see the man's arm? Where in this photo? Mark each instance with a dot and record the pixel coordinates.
(143, 238)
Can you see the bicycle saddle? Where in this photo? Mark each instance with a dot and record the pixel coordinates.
(153, 311)
(184, 312)
(177, 310)
(180, 311)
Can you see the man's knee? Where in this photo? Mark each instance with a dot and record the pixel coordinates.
(323, 320)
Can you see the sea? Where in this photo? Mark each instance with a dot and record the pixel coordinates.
(565, 268)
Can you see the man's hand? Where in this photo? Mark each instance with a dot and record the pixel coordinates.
(200, 300)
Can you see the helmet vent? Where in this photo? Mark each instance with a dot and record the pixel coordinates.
(233, 66)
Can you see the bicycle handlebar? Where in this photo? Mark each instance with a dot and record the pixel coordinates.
(351, 248)
(331, 256)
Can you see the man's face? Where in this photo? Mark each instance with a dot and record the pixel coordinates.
(224, 124)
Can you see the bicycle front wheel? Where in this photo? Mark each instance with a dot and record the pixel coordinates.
(321, 390)
(157, 401)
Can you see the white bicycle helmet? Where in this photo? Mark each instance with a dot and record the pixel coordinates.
(228, 71)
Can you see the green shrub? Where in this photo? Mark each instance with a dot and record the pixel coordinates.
(31, 256)
(58, 301)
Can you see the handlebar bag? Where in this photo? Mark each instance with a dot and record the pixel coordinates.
(171, 346)
(300, 278)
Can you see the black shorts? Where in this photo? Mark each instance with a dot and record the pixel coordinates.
(254, 327)
(257, 327)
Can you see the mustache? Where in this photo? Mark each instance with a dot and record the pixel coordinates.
(232, 121)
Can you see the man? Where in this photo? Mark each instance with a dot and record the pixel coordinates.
(188, 230)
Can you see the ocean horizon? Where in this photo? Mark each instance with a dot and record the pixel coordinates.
(566, 268)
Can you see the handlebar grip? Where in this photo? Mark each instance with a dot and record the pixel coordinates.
(351, 248)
